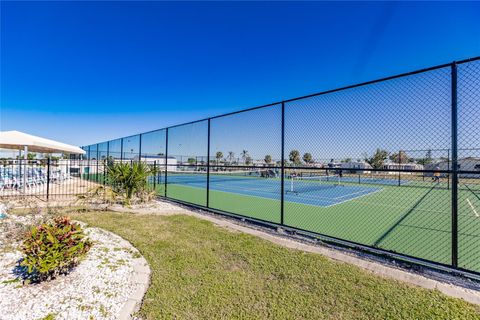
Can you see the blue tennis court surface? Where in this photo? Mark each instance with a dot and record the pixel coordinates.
(313, 193)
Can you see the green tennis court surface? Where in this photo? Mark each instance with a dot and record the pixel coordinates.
(412, 219)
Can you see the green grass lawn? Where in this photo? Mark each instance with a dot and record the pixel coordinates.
(200, 271)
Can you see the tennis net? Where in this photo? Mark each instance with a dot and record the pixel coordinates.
(309, 183)
(186, 177)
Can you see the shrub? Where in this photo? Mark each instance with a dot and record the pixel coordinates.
(53, 248)
(129, 180)
(97, 197)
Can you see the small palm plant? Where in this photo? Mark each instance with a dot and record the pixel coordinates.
(129, 179)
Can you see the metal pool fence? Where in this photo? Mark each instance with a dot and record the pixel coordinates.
(45, 179)
(390, 166)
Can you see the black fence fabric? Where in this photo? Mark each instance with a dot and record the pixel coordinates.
(468, 165)
(392, 165)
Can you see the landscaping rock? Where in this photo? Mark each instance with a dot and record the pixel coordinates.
(101, 286)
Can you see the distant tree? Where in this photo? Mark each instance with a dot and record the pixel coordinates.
(294, 156)
(30, 156)
(268, 159)
(307, 158)
(377, 159)
(427, 159)
(231, 156)
(160, 154)
(244, 156)
(191, 161)
(400, 157)
(279, 163)
(248, 160)
(346, 160)
(218, 156)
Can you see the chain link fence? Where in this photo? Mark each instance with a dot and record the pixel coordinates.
(391, 165)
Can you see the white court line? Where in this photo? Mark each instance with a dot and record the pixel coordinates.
(473, 208)
(361, 191)
(360, 196)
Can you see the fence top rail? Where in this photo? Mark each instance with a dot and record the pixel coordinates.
(311, 95)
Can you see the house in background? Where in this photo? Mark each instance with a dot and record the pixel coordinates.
(356, 167)
(401, 166)
(464, 164)
(159, 161)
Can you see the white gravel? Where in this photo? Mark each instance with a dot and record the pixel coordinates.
(96, 289)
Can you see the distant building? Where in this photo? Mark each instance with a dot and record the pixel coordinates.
(464, 164)
(356, 167)
(401, 166)
(159, 161)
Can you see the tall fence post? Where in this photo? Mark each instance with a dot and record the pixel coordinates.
(454, 167)
(140, 148)
(208, 165)
(96, 171)
(282, 170)
(88, 164)
(155, 177)
(107, 158)
(121, 149)
(166, 161)
(399, 168)
(448, 168)
(48, 177)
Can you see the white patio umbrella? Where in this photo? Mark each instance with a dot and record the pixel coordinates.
(17, 140)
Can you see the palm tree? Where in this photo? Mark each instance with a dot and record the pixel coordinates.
(129, 179)
(231, 156)
(219, 155)
(244, 155)
(268, 159)
(294, 157)
(307, 158)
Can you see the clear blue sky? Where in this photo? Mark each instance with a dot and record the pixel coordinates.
(83, 72)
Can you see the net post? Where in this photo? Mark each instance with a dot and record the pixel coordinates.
(282, 170)
(454, 118)
(208, 165)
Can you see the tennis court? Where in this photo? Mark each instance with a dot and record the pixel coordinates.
(316, 191)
